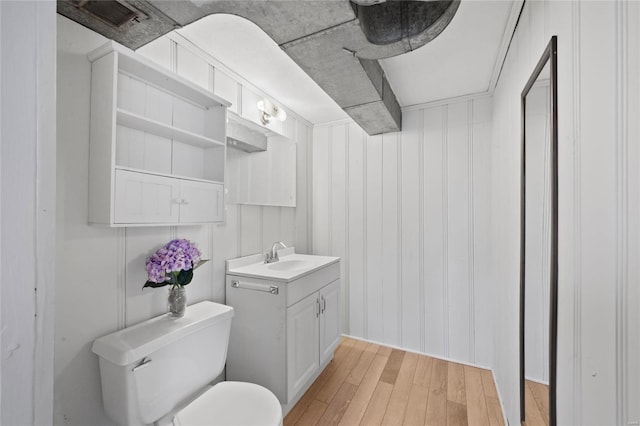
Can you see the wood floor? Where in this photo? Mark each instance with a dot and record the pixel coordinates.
(369, 384)
(536, 400)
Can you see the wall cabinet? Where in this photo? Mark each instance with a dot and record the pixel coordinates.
(261, 166)
(158, 144)
(266, 178)
(283, 334)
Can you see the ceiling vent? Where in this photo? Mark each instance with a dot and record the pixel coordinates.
(393, 21)
(112, 12)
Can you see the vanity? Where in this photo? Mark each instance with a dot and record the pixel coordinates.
(286, 324)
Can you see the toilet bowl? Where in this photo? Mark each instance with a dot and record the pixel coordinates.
(232, 404)
(152, 369)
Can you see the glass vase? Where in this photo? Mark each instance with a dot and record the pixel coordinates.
(177, 303)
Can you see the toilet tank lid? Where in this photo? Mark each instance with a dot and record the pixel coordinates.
(133, 343)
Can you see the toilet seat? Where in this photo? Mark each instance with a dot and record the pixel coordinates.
(232, 404)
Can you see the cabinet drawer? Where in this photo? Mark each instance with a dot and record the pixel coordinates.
(304, 286)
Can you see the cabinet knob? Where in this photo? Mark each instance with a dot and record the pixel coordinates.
(185, 201)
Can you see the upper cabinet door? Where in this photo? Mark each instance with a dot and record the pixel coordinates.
(281, 175)
(200, 202)
(145, 198)
(329, 320)
(266, 178)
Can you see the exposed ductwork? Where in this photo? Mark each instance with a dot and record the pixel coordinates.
(336, 42)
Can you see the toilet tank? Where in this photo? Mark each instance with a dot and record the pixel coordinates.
(149, 369)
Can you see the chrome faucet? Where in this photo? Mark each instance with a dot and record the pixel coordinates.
(272, 256)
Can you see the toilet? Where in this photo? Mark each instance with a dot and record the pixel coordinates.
(159, 371)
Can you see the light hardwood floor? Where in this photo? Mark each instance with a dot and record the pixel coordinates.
(369, 384)
(536, 400)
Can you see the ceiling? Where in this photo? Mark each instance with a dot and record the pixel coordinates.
(247, 50)
(463, 60)
(460, 61)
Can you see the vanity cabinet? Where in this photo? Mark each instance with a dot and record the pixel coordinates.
(313, 333)
(158, 144)
(284, 332)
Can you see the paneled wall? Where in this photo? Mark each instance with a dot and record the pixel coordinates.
(408, 213)
(99, 270)
(27, 216)
(599, 211)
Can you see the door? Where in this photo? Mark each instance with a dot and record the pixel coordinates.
(145, 198)
(200, 202)
(302, 343)
(329, 320)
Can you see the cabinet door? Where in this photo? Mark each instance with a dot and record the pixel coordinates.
(329, 320)
(302, 343)
(145, 198)
(281, 173)
(200, 202)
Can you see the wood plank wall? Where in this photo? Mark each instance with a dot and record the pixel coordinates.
(408, 214)
(99, 270)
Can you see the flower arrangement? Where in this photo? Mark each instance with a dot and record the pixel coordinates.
(173, 264)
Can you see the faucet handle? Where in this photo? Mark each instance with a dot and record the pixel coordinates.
(272, 255)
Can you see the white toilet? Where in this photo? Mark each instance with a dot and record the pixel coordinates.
(158, 371)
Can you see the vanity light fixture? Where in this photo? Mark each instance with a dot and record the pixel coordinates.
(268, 111)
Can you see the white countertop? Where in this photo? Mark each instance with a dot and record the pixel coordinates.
(290, 267)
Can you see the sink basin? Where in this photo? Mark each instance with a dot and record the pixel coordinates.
(288, 265)
(291, 265)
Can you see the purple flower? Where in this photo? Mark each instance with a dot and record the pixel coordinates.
(166, 264)
(155, 269)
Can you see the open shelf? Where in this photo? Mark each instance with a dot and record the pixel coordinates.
(135, 121)
(133, 169)
(145, 69)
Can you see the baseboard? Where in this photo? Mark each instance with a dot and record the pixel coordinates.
(418, 352)
(536, 381)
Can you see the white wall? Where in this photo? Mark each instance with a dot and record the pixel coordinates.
(598, 366)
(408, 214)
(27, 197)
(100, 271)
